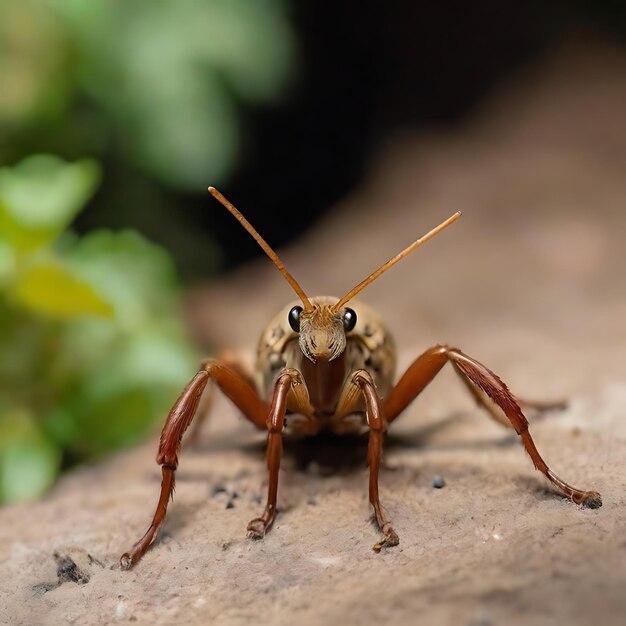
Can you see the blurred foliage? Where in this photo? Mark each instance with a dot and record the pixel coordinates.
(151, 83)
(91, 344)
(92, 347)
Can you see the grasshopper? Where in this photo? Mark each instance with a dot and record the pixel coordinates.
(332, 367)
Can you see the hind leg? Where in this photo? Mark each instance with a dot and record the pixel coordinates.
(483, 381)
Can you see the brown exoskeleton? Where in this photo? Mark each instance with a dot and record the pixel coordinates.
(331, 366)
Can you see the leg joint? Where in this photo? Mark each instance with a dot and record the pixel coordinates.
(363, 378)
(276, 416)
(167, 460)
(208, 365)
(373, 406)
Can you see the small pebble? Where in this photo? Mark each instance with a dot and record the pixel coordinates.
(438, 482)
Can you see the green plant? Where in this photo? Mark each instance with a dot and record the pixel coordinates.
(154, 84)
(92, 348)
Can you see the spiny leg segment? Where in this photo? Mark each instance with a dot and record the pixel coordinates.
(428, 365)
(239, 390)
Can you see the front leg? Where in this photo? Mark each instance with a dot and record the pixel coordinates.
(359, 388)
(483, 381)
(275, 423)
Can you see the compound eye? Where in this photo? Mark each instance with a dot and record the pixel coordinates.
(349, 320)
(294, 318)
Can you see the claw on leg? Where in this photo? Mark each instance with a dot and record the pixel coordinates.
(256, 528)
(592, 500)
(390, 538)
(588, 499)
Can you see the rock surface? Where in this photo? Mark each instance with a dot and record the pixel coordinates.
(530, 281)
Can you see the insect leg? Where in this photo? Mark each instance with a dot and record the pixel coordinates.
(361, 386)
(482, 400)
(233, 361)
(484, 381)
(275, 423)
(239, 390)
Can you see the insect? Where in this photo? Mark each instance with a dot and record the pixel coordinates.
(332, 367)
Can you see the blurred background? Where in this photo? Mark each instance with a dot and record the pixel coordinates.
(116, 116)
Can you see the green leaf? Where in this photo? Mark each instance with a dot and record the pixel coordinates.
(50, 289)
(40, 197)
(29, 463)
(135, 276)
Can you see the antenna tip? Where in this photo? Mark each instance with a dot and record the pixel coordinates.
(459, 213)
(212, 190)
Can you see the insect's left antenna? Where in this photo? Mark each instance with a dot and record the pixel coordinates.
(383, 268)
(266, 248)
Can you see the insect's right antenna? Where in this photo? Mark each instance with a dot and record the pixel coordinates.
(266, 248)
